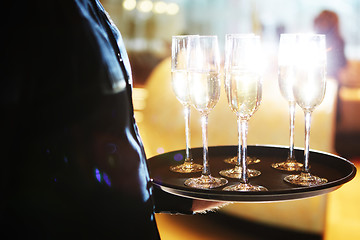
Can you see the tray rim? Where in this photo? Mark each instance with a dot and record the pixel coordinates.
(270, 196)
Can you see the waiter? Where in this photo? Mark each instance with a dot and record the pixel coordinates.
(72, 162)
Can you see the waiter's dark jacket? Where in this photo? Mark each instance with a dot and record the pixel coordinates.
(72, 162)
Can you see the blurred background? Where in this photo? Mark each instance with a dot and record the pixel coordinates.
(147, 27)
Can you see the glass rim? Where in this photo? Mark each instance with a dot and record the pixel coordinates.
(230, 37)
(207, 36)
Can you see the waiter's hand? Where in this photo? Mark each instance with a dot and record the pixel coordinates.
(202, 206)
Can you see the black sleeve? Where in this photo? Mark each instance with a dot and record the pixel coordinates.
(169, 203)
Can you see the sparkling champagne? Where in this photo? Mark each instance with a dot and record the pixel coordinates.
(180, 86)
(243, 91)
(286, 81)
(204, 90)
(310, 88)
(309, 91)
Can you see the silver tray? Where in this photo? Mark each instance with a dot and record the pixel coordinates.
(334, 168)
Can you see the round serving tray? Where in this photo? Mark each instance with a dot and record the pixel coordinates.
(334, 168)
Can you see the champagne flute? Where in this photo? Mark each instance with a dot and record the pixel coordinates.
(286, 61)
(179, 80)
(204, 85)
(309, 91)
(234, 160)
(243, 86)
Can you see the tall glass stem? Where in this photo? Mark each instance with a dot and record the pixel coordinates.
(188, 166)
(205, 181)
(239, 157)
(204, 124)
(292, 128)
(187, 133)
(307, 140)
(290, 164)
(244, 131)
(305, 178)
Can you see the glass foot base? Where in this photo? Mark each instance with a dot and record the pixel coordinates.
(237, 171)
(305, 179)
(187, 167)
(205, 182)
(245, 187)
(249, 160)
(290, 166)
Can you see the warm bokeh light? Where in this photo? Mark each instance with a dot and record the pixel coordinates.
(145, 6)
(172, 9)
(160, 7)
(129, 4)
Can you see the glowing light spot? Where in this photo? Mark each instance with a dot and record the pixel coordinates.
(178, 157)
(145, 6)
(160, 150)
(107, 179)
(160, 7)
(98, 175)
(172, 9)
(129, 5)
